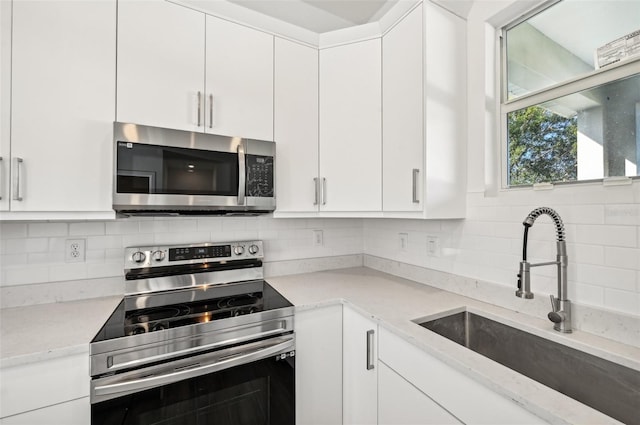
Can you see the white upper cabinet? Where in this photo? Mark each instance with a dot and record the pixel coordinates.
(445, 177)
(5, 103)
(179, 68)
(161, 59)
(350, 127)
(403, 114)
(239, 80)
(296, 126)
(62, 107)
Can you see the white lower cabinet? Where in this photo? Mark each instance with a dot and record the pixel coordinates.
(350, 370)
(360, 368)
(75, 412)
(319, 366)
(53, 391)
(462, 397)
(401, 403)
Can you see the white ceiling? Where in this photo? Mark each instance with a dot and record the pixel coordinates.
(321, 16)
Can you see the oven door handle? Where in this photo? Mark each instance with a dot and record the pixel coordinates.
(282, 327)
(260, 351)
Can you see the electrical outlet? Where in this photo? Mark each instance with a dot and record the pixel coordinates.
(318, 239)
(404, 241)
(74, 250)
(433, 246)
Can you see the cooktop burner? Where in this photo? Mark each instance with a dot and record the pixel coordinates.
(165, 317)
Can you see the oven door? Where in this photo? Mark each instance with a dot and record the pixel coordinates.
(249, 384)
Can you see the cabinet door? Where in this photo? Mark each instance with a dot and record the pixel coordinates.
(350, 126)
(319, 366)
(5, 102)
(296, 126)
(360, 373)
(30, 386)
(160, 64)
(446, 111)
(401, 403)
(239, 80)
(403, 112)
(75, 412)
(63, 103)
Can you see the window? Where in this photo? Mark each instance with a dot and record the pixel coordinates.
(571, 92)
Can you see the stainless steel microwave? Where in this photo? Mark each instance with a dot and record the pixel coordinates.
(165, 171)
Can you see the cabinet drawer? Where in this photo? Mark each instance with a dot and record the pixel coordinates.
(76, 412)
(36, 385)
(463, 397)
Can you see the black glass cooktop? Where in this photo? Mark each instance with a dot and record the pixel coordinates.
(156, 312)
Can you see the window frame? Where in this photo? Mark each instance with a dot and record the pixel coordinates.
(595, 78)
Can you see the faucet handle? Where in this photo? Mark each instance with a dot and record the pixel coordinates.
(554, 303)
(556, 316)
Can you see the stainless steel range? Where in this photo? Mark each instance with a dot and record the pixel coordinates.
(199, 337)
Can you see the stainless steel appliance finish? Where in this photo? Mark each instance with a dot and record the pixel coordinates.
(160, 171)
(611, 388)
(191, 312)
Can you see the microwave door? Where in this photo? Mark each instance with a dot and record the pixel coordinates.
(170, 177)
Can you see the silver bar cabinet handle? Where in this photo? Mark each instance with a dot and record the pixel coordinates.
(17, 167)
(211, 110)
(1, 185)
(199, 108)
(324, 191)
(416, 173)
(370, 353)
(242, 173)
(315, 185)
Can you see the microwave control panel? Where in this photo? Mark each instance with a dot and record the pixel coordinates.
(259, 176)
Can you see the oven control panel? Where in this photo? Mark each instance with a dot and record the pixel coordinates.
(158, 256)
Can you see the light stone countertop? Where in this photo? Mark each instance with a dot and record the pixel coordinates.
(35, 333)
(46, 331)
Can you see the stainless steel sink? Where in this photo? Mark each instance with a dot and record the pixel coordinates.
(605, 386)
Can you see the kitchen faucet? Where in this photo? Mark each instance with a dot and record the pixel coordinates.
(560, 306)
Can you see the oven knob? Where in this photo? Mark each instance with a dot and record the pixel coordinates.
(138, 257)
(238, 250)
(253, 249)
(158, 255)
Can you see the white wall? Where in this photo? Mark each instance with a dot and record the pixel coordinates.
(33, 268)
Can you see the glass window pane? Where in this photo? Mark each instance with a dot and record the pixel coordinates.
(587, 135)
(560, 42)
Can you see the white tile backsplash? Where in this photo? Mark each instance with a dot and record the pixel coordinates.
(602, 233)
(32, 255)
(48, 229)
